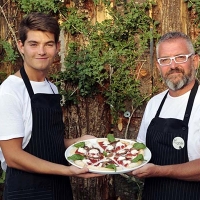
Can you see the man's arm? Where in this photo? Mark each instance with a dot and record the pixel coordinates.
(17, 158)
(189, 171)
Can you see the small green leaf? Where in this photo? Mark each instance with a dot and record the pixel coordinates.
(2, 178)
(138, 146)
(105, 153)
(111, 137)
(111, 166)
(139, 157)
(76, 157)
(80, 144)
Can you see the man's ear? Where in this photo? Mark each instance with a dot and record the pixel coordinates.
(20, 46)
(58, 45)
(196, 61)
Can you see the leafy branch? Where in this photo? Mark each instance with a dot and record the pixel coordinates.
(195, 5)
(8, 24)
(104, 60)
(11, 55)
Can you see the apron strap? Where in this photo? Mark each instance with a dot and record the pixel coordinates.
(26, 81)
(50, 86)
(161, 104)
(190, 102)
(28, 84)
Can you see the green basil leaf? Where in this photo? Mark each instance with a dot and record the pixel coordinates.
(111, 137)
(80, 144)
(76, 157)
(138, 146)
(111, 166)
(139, 157)
(105, 153)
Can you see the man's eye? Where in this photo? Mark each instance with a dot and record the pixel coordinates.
(181, 58)
(33, 45)
(50, 44)
(165, 60)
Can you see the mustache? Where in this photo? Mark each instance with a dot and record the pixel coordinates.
(176, 70)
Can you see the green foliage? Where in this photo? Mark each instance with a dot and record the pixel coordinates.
(104, 61)
(195, 4)
(52, 6)
(9, 54)
(138, 185)
(76, 22)
(3, 176)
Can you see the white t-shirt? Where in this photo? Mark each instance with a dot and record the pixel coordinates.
(174, 107)
(15, 109)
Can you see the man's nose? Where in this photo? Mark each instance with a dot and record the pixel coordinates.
(41, 50)
(173, 63)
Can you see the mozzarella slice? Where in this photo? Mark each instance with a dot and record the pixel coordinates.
(119, 144)
(109, 148)
(121, 151)
(88, 144)
(121, 158)
(106, 143)
(82, 150)
(126, 162)
(93, 153)
(134, 151)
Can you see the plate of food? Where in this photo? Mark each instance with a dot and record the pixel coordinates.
(108, 155)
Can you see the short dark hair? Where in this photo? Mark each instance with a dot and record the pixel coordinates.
(38, 22)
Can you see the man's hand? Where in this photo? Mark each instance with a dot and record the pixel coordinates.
(83, 172)
(188, 171)
(148, 170)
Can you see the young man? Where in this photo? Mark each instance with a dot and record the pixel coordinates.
(171, 125)
(31, 127)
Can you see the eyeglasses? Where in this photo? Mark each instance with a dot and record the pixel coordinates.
(177, 59)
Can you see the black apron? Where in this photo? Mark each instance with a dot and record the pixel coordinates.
(47, 142)
(162, 135)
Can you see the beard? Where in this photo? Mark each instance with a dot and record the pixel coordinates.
(178, 81)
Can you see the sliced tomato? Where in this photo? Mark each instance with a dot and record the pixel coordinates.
(102, 145)
(94, 160)
(120, 162)
(77, 152)
(129, 155)
(119, 147)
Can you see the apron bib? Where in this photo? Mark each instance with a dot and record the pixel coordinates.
(167, 140)
(47, 142)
